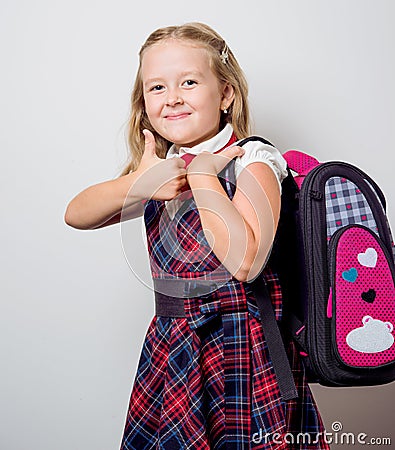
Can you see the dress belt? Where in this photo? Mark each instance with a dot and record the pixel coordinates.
(171, 304)
(166, 306)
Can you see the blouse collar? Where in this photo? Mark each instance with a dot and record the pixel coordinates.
(211, 145)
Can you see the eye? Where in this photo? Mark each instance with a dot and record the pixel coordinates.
(156, 88)
(189, 83)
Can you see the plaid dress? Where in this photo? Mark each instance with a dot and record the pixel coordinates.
(206, 381)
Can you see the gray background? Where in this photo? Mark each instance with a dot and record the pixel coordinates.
(73, 311)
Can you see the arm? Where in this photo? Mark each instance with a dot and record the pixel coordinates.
(110, 202)
(101, 204)
(240, 231)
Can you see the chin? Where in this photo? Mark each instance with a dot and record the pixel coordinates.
(181, 140)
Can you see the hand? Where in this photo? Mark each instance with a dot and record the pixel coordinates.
(158, 179)
(213, 163)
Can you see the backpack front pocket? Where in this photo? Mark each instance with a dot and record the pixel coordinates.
(361, 303)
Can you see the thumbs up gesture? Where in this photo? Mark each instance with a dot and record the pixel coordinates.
(158, 179)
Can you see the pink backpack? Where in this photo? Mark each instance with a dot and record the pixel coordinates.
(335, 258)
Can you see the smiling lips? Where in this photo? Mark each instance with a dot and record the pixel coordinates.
(177, 116)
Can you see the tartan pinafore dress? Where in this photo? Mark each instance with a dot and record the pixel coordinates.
(205, 381)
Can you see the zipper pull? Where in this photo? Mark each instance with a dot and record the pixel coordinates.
(329, 305)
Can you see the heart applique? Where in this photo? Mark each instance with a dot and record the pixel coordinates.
(350, 275)
(368, 258)
(369, 296)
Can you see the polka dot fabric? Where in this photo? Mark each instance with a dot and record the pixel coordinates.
(300, 163)
(363, 299)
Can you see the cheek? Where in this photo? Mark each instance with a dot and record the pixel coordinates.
(214, 103)
(208, 104)
(212, 111)
(152, 105)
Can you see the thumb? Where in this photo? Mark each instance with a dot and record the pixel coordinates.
(232, 152)
(150, 145)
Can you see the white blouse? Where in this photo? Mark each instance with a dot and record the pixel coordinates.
(255, 151)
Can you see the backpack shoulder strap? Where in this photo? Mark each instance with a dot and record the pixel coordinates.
(227, 176)
(254, 138)
(274, 340)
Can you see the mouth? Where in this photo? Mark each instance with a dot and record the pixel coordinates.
(177, 116)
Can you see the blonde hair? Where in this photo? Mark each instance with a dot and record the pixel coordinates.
(223, 64)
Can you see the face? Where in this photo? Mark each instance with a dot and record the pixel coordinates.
(183, 98)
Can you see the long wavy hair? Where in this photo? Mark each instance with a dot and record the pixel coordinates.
(204, 36)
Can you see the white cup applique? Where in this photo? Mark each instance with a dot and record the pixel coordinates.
(373, 337)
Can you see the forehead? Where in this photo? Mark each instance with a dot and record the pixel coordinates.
(173, 55)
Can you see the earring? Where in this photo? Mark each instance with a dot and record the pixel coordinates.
(225, 111)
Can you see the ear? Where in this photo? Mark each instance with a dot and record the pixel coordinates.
(228, 95)
(366, 319)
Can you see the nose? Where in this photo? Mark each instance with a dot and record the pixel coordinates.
(174, 97)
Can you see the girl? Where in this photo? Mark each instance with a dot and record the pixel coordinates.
(205, 379)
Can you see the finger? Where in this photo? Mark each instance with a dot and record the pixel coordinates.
(181, 162)
(150, 146)
(182, 182)
(232, 152)
(177, 165)
(182, 177)
(181, 173)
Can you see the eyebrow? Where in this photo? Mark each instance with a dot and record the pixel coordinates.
(193, 73)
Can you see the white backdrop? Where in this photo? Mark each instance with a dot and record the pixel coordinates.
(73, 315)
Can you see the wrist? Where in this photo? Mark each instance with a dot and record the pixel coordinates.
(131, 192)
(201, 179)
